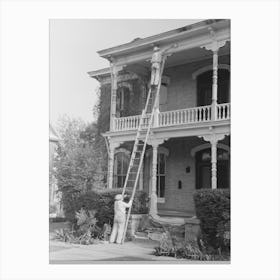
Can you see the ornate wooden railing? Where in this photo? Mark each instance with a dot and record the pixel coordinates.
(185, 116)
(223, 111)
(200, 114)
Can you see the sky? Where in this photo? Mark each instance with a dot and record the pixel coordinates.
(73, 52)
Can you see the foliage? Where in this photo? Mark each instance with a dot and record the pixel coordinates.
(213, 211)
(77, 166)
(86, 231)
(52, 208)
(57, 220)
(170, 246)
(102, 108)
(103, 202)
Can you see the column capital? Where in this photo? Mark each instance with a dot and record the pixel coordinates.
(113, 144)
(155, 142)
(214, 46)
(213, 138)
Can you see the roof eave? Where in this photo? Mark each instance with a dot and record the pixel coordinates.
(159, 38)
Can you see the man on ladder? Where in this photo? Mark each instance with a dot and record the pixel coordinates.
(156, 63)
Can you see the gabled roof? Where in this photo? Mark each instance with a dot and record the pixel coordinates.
(53, 135)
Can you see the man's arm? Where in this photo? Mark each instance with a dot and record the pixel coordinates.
(127, 205)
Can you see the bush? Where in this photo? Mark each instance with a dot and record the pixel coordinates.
(103, 202)
(172, 247)
(213, 211)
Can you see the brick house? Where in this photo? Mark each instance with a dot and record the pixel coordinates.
(189, 145)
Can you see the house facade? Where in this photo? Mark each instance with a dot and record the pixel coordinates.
(189, 144)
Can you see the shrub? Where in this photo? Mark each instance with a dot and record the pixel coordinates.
(170, 246)
(103, 202)
(85, 231)
(213, 211)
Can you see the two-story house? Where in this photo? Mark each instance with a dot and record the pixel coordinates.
(189, 144)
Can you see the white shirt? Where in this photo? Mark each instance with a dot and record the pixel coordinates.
(120, 206)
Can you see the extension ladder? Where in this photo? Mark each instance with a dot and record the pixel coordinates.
(139, 147)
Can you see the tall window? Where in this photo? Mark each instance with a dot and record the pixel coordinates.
(120, 169)
(123, 100)
(204, 87)
(161, 171)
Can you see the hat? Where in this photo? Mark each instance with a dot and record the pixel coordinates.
(118, 197)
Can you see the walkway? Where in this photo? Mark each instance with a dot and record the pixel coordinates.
(130, 252)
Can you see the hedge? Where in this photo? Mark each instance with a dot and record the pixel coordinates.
(103, 202)
(213, 211)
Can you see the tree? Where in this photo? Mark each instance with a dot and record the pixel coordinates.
(77, 165)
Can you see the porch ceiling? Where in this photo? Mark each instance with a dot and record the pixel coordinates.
(184, 57)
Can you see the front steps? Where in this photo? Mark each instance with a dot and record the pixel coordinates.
(155, 228)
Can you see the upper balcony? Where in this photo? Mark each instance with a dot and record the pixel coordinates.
(196, 74)
(189, 116)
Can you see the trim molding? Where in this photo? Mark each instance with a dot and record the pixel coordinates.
(161, 150)
(208, 145)
(122, 150)
(208, 68)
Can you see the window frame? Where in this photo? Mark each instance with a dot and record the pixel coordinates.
(124, 154)
(161, 199)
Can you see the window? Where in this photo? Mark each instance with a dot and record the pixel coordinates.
(120, 168)
(123, 100)
(161, 170)
(204, 87)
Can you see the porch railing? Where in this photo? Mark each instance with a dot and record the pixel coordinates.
(185, 116)
(200, 114)
(223, 111)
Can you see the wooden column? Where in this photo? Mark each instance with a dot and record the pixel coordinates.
(214, 163)
(153, 204)
(141, 178)
(111, 159)
(114, 87)
(214, 46)
(215, 84)
(110, 167)
(213, 138)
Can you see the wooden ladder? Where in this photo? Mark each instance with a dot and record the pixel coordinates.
(139, 147)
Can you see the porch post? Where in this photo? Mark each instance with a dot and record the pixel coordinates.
(215, 84)
(111, 159)
(214, 163)
(111, 166)
(114, 87)
(153, 204)
(213, 138)
(141, 177)
(214, 47)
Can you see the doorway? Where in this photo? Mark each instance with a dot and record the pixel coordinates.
(204, 87)
(203, 169)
